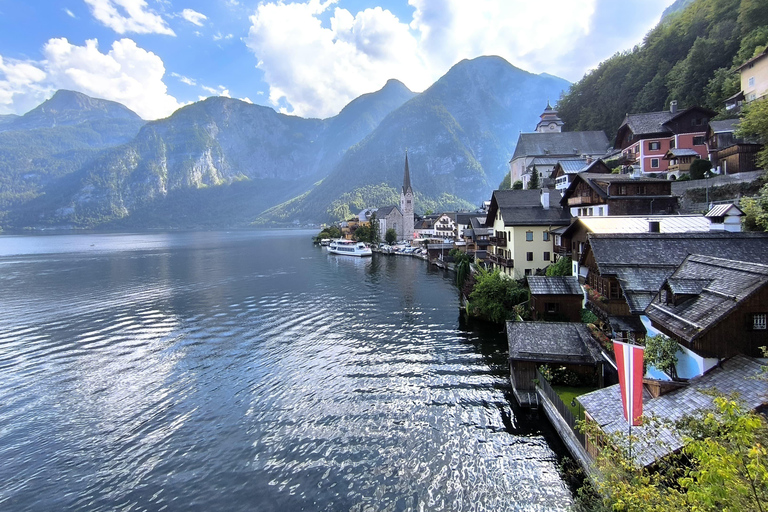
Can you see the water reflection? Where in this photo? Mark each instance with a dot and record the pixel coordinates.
(253, 371)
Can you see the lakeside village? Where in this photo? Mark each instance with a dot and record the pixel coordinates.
(600, 253)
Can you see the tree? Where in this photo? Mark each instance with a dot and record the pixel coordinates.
(330, 232)
(363, 234)
(562, 267)
(495, 297)
(506, 183)
(721, 468)
(661, 352)
(700, 169)
(534, 182)
(517, 185)
(756, 211)
(754, 124)
(390, 236)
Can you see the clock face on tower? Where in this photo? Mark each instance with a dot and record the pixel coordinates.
(552, 126)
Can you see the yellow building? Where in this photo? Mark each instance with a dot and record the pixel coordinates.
(521, 220)
(754, 76)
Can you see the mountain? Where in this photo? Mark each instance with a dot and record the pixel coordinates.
(56, 139)
(216, 162)
(690, 57)
(459, 133)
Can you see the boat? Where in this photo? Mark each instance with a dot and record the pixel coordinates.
(349, 248)
(325, 242)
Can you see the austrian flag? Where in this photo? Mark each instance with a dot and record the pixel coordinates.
(629, 359)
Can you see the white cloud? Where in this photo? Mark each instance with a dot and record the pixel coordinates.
(217, 91)
(194, 17)
(126, 74)
(69, 13)
(183, 79)
(218, 36)
(314, 71)
(129, 16)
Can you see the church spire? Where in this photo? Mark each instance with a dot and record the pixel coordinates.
(407, 177)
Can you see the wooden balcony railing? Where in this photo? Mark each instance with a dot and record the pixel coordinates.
(502, 262)
(498, 241)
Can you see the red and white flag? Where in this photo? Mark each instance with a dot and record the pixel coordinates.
(629, 359)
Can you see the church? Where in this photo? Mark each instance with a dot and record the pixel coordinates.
(400, 218)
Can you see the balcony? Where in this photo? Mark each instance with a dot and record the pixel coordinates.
(579, 200)
(502, 262)
(498, 241)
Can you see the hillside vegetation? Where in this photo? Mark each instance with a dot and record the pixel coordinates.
(689, 57)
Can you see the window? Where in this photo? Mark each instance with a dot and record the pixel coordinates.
(751, 82)
(698, 141)
(529, 236)
(654, 145)
(551, 307)
(600, 211)
(589, 210)
(759, 321)
(546, 236)
(672, 143)
(527, 271)
(546, 256)
(654, 163)
(529, 256)
(622, 190)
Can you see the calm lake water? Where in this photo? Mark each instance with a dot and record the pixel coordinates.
(252, 371)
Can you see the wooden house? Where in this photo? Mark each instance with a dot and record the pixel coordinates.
(715, 307)
(556, 298)
(565, 170)
(618, 194)
(533, 344)
(728, 153)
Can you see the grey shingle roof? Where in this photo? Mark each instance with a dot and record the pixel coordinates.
(524, 208)
(573, 165)
(554, 342)
(726, 125)
(386, 210)
(554, 285)
(648, 122)
(734, 375)
(642, 262)
(719, 286)
(678, 152)
(561, 144)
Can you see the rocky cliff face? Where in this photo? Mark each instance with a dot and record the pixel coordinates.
(223, 162)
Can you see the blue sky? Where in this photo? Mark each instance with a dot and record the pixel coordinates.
(308, 58)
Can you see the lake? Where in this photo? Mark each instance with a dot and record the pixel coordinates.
(251, 370)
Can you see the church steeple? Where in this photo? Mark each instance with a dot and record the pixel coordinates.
(550, 121)
(407, 177)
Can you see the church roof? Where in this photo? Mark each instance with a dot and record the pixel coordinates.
(561, 144)
(407, 177)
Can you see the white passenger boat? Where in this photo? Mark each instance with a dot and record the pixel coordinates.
(349, 247)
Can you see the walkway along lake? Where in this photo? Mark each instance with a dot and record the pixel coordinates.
(252, 371)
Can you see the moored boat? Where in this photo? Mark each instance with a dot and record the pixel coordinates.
(349, 248)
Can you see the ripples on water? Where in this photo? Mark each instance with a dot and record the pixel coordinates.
(251, 371)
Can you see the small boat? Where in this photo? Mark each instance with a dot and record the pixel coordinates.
(325, 242)
(349, 248)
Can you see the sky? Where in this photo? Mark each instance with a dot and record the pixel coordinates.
(308, 58)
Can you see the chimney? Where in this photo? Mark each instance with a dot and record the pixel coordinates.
(545, 198)
(654, 226)
(673, 106)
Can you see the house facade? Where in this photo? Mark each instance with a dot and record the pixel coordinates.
(556, 298)
(754, 77)
(729, 154)
(566, 170)
(521, 221)
(618, 194)
(644, 139)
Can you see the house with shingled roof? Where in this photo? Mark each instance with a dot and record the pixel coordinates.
(565, 170)
(618, 194)
(521, 221)
(644, 139)
(556, 298)
(543, 148)
(715, 307)
(730, 154)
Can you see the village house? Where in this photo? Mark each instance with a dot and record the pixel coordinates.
(543, 148)
(624, 272)
(532, 344)
(618, 194)
(445, 226)
(715, 307)
(566, 170)
(729, 154)
(477, 238)
(571, 240)
(521, 221)
(653, 441)
(556, 298)
(754, 81)
(646, 138)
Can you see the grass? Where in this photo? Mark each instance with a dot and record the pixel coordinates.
(567, 395)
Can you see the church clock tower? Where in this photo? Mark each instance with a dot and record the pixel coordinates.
(406, 203)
